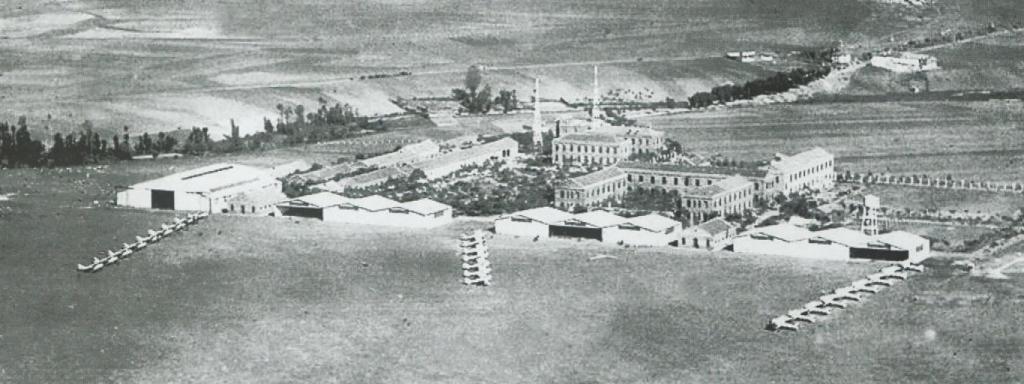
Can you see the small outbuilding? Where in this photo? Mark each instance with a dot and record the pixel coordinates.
(710, 234)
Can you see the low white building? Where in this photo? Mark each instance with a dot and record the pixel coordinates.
(217, 188)
(379, 210)
(535, 222)
(412, 153)
(450, 162)
(651, 230)
(710, 234)
(840, 244)
(312, 206)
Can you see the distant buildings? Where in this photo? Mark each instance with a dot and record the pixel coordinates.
(906, 62)
(217, 188)
(370, 210)
(708, 235)
(684, 177)
(749, 56)
(408, 154)
(591, 189)
(839, 244)
(649, 230)
(366, 180)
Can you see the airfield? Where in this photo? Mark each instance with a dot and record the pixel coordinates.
(258, 299)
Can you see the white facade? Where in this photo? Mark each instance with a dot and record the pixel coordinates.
(840, 244)
(378, 210)
(451, 162)
(217, 188)
(906, 62)
(647, 231)
(813, 169)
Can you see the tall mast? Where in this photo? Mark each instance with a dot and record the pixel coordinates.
(538, 122)
(594, 102)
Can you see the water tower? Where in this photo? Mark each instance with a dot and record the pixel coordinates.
(869, 219)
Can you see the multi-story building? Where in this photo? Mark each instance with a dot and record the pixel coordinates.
(641, 139)
(812, 169)
(589, 148)
(591, 189)
(683, 177)
(731, 195)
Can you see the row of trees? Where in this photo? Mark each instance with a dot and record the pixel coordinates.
(780, 82)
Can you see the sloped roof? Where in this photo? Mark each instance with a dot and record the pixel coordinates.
(653, 222)
(318, 200)
(409, 153)
(546, 215)
(593, 178)
(373, 203)
(208, 179)
(905, 240)
(425, 206)
(590, 137)
(686, 168)
(379, 175)
(844, 236)
(783, 231)
(466, 154)
(715, 226)
(802, 159)
(600, 219)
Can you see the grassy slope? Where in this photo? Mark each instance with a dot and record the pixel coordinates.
(965, 140)
(261, 300)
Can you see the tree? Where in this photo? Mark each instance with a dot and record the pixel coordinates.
(474, 76)
(507, 100)
(268, 127)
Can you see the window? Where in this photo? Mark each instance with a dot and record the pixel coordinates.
(664, 180)
(676, 180)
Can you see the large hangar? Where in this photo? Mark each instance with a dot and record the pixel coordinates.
(217, 188)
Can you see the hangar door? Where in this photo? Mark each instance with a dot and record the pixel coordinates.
(163, 199)
(879, 254)
(575, 232)
(312, 212)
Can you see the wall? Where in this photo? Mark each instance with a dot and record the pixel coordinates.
(642, 237)
(507, 226)
(801, 249)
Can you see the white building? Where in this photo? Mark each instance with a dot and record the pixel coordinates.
(217, 188)
(448, 163)
(840, 244)
(813, 169)
(535, 222)
(379, 210)
(286, 169)
(710, 234)
(412, 153)
(906, 62)
(651, 230)
(312, 206)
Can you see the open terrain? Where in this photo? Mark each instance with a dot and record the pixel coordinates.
(191, 63)
(973, 141)
(250, 299)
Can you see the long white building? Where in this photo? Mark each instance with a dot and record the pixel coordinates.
(450, 162)
(217, 188)
(370, 210)
(544, 222)
(840, 244)
(813, 169)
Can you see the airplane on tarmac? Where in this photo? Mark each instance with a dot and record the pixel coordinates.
(782, 323)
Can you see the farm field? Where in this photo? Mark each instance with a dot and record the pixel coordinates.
(249, 299)
(973, 141)
(63, 63)
(917, 198)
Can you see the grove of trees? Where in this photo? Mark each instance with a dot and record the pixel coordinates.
(780, 82)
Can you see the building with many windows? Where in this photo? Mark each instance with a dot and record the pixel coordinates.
(589, 148)
(683, 177)
(591, 189)
(640, 139)
(812, 169)
(731, 195)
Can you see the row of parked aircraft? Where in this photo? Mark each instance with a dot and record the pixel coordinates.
(142, 242)
(842, 297)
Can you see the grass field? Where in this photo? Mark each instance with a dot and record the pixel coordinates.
(974, 141)
(944, 200)
(96, 59)
(246, 299)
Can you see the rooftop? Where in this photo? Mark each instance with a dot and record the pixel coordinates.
(600, 219)
(466, 154)
(802, 159)
(783, 231)
(685, 168)
(590, 137)
(373, 203)
(208, 179)
(905, 240)
(716, 226)
(546, 215)
(844, 236)
(408, 153)
(318, 200)
(593, 178)
(653, 222)
(374, 176)
(425, 206)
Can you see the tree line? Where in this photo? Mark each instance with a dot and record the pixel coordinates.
(476, 100)
(780, 82)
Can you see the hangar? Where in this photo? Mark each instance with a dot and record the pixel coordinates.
(312, 206)
(534, 222)
(217, 188)
(603, 226)
(648, 230)
(373, 210)
(841, 244)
